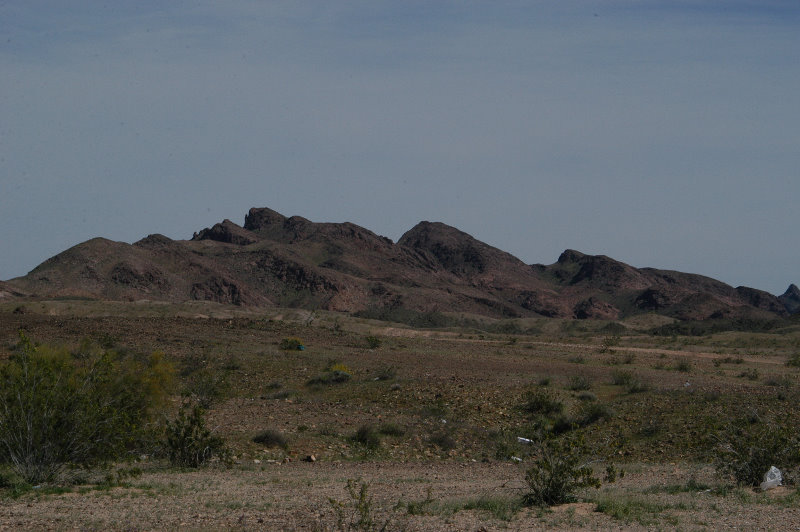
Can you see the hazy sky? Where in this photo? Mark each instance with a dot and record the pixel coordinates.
(660, 133)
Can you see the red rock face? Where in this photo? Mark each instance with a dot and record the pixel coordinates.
(275, 260)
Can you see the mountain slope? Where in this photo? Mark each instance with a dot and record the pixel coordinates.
(291, 261)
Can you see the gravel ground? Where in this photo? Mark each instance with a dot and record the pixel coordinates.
(296, 496)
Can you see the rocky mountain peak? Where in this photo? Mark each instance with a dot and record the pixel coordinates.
(262, 217)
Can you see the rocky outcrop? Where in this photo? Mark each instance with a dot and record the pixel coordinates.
(791, 299)
(227, 232)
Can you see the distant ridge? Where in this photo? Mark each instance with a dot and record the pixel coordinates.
(274, 260)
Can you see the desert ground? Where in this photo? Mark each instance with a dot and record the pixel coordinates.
(427, 423)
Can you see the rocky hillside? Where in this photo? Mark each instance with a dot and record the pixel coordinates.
(291, 261)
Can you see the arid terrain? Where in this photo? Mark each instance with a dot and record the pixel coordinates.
(428, 420)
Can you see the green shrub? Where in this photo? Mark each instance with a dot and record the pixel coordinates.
(373, 342)
(271, 438)
(542, 403)
(558, 472)
(57, 410)
(750, 374)
(591, 412)
(391, 429)
(683, 365)
(357, 514)
(794, 361)
(291, 344)
(386, 373)
(206, 387)
(577, 383)
(443, 440)
(587, 396)
(368, 437)
(189, 442)
(621, 378)
(747, 448)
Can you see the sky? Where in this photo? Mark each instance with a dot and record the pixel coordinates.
(660, 133)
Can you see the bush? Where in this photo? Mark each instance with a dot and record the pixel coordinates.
(373, 342)
(57, 410)
(578, 383)
(207, 387)
(747, 449)
(794, 361)
(291, 344)
(367, 436)
(271, 438)
(558, 473)
(541, 403)
(189, 442)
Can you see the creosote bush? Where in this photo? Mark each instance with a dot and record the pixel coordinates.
(542, 403)
(58, 409)
(558, 472)
(272, 438)
(368, 437)
(747, 448)
(291, 344)
(189, 442)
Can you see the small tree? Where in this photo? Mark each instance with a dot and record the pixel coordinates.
(56, 409)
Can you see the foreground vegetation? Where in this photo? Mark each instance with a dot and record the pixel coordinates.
(570, 411)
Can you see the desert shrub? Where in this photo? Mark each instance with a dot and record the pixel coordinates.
(368, 437)
(272, 438)
(621, 378)
(683, 365)
(629, 381)
(636, 386)
(794, 361)
(291, 344)
(592, 412)
(558, 472)
(206, 387)
(577, 383)
(539, 402)
(189, 442)
(391, 429)
(373, 342)
(443, 440)
(750, 374)
(357, 514)
(587, 396)
(386, 373)
(57, 410)
(747, 448)
(544, 381)
(335, 373)
(608, 343)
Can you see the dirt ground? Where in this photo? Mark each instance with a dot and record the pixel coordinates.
(450, 398)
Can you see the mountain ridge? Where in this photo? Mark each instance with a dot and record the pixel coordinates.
(274, 260)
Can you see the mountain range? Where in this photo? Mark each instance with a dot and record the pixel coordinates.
(274, 260)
